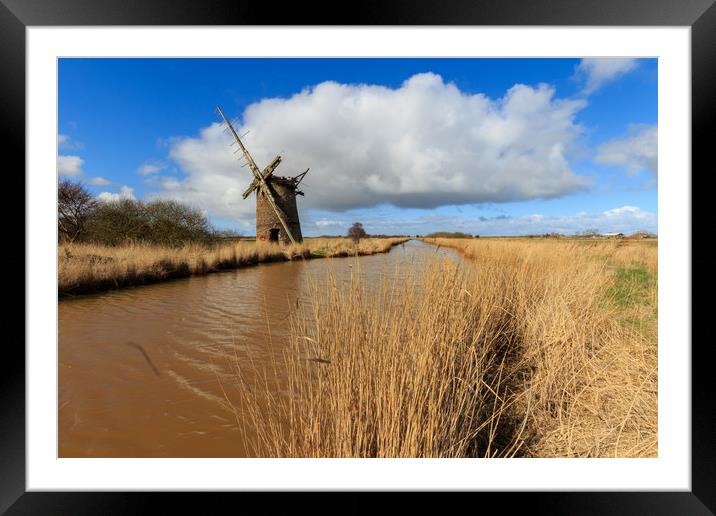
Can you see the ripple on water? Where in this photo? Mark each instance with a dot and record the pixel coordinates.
(192, 331)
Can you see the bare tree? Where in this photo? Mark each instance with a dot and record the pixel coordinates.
(589, 233)
(118, 221)
(75, 206)
(356, 232)
(162, 222)
(172, 223)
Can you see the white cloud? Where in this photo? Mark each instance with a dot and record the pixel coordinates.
(150, 168)
(69, 165)
(596, 72)
(624, 219)
(636, 151)
(64, 141)
(329, 223)
(124, 193)
(99, 181)
(624, 211)
(424, 144)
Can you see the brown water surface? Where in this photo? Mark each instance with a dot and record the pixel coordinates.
(145, 372)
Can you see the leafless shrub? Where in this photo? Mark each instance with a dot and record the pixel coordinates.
(75, 207)
(356, 232)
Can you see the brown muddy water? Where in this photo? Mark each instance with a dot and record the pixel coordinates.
(145, 371)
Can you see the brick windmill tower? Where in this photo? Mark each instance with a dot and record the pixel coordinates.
(276, 210)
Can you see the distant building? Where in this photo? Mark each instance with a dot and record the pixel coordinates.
(613, 235)
(642, 234)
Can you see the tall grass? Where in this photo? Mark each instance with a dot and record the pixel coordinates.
(526, 352)
(84, 268)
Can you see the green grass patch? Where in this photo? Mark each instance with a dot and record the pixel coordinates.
(631, 287)
(632, 294)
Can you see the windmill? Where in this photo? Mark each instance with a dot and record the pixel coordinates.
(276, 210)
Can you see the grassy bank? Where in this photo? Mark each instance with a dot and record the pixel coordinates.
(544, 348)
(87, 268)
(587, 312)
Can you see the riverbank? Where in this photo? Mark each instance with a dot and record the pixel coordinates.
(586, 313)
(544, 349)
(88, 268)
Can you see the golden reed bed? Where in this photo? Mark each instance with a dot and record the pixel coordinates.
(86, 268)
(542, 348)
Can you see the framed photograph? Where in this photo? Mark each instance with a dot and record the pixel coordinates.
(446, 248)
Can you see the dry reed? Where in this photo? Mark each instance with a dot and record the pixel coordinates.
(85, 268)
(543, 348)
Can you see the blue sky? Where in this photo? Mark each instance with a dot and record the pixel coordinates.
(487, 146)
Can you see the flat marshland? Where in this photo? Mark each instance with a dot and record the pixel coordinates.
(527, 347)
(85, 268)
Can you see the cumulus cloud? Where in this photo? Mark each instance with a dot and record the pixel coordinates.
(636, 151)
(624, 219)
(100, 181)
(124, 193)
(423, 144)
(69, 165)
(151, 168)
(596, 72)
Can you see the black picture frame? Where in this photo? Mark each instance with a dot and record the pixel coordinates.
(700, 15)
